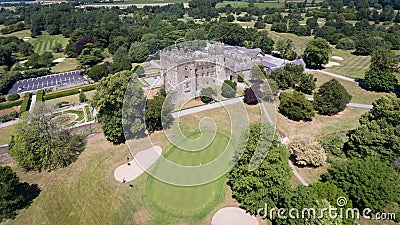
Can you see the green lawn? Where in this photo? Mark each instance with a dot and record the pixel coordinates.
(86, 192)
(67, 65)
(20, 34)
(299, 42)
(45, 42)
(9, 7)
(351, 65)
(321, 126)
(359, 94)
(5, 134)
(194, 202)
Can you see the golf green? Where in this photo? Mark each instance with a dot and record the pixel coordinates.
(195, 201)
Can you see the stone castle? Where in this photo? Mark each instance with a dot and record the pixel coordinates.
(186, 70)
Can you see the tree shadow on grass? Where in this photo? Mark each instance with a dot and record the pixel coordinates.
(362, 85)
(29, 193)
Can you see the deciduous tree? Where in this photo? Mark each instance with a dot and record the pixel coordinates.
(317, 53)
(307, 152)
(370, 183)
(158, 113)
(228, 89)
(138, 52)
(109, 99)
(380, 76)
(98, 71)
(267, 184)
(378, 133)
(40, 143)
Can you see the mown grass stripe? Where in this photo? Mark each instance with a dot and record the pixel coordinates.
(45, 46)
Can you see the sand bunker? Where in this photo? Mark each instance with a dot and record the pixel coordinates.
(337, 58)
(146, 158)
(58, 60)
(233, 216)
(330, 64)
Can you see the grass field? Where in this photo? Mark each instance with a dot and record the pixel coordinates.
(45, 42)
(150, 1)
(299, 42)
(87, 193)
(352, 66)
(359, 94)
(72, 99)
(67, 65)
(321, 126)
(5, 134)
(20, 34)
(312, 175)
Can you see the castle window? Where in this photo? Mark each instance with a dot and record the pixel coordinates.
(186, 86)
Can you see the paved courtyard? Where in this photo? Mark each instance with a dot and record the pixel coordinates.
(33, 84)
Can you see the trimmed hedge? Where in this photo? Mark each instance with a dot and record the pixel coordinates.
(8, 117)
(39, 95)
(69, 92)
(13, 97)
(25, 103)
(8, 105)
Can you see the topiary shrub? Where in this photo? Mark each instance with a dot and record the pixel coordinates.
(207, 94)
(240, 78)
(295, 106)
(228, 89)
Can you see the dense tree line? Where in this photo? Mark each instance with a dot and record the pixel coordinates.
(361, 37)
(10, 47)
(361, 5)
(380, 76)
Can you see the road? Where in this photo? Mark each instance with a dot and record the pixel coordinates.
(332, 75)
(206, 107)
(33, 102)
(343, 78)
(296, 174)
(354, 105)
(9, 123)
